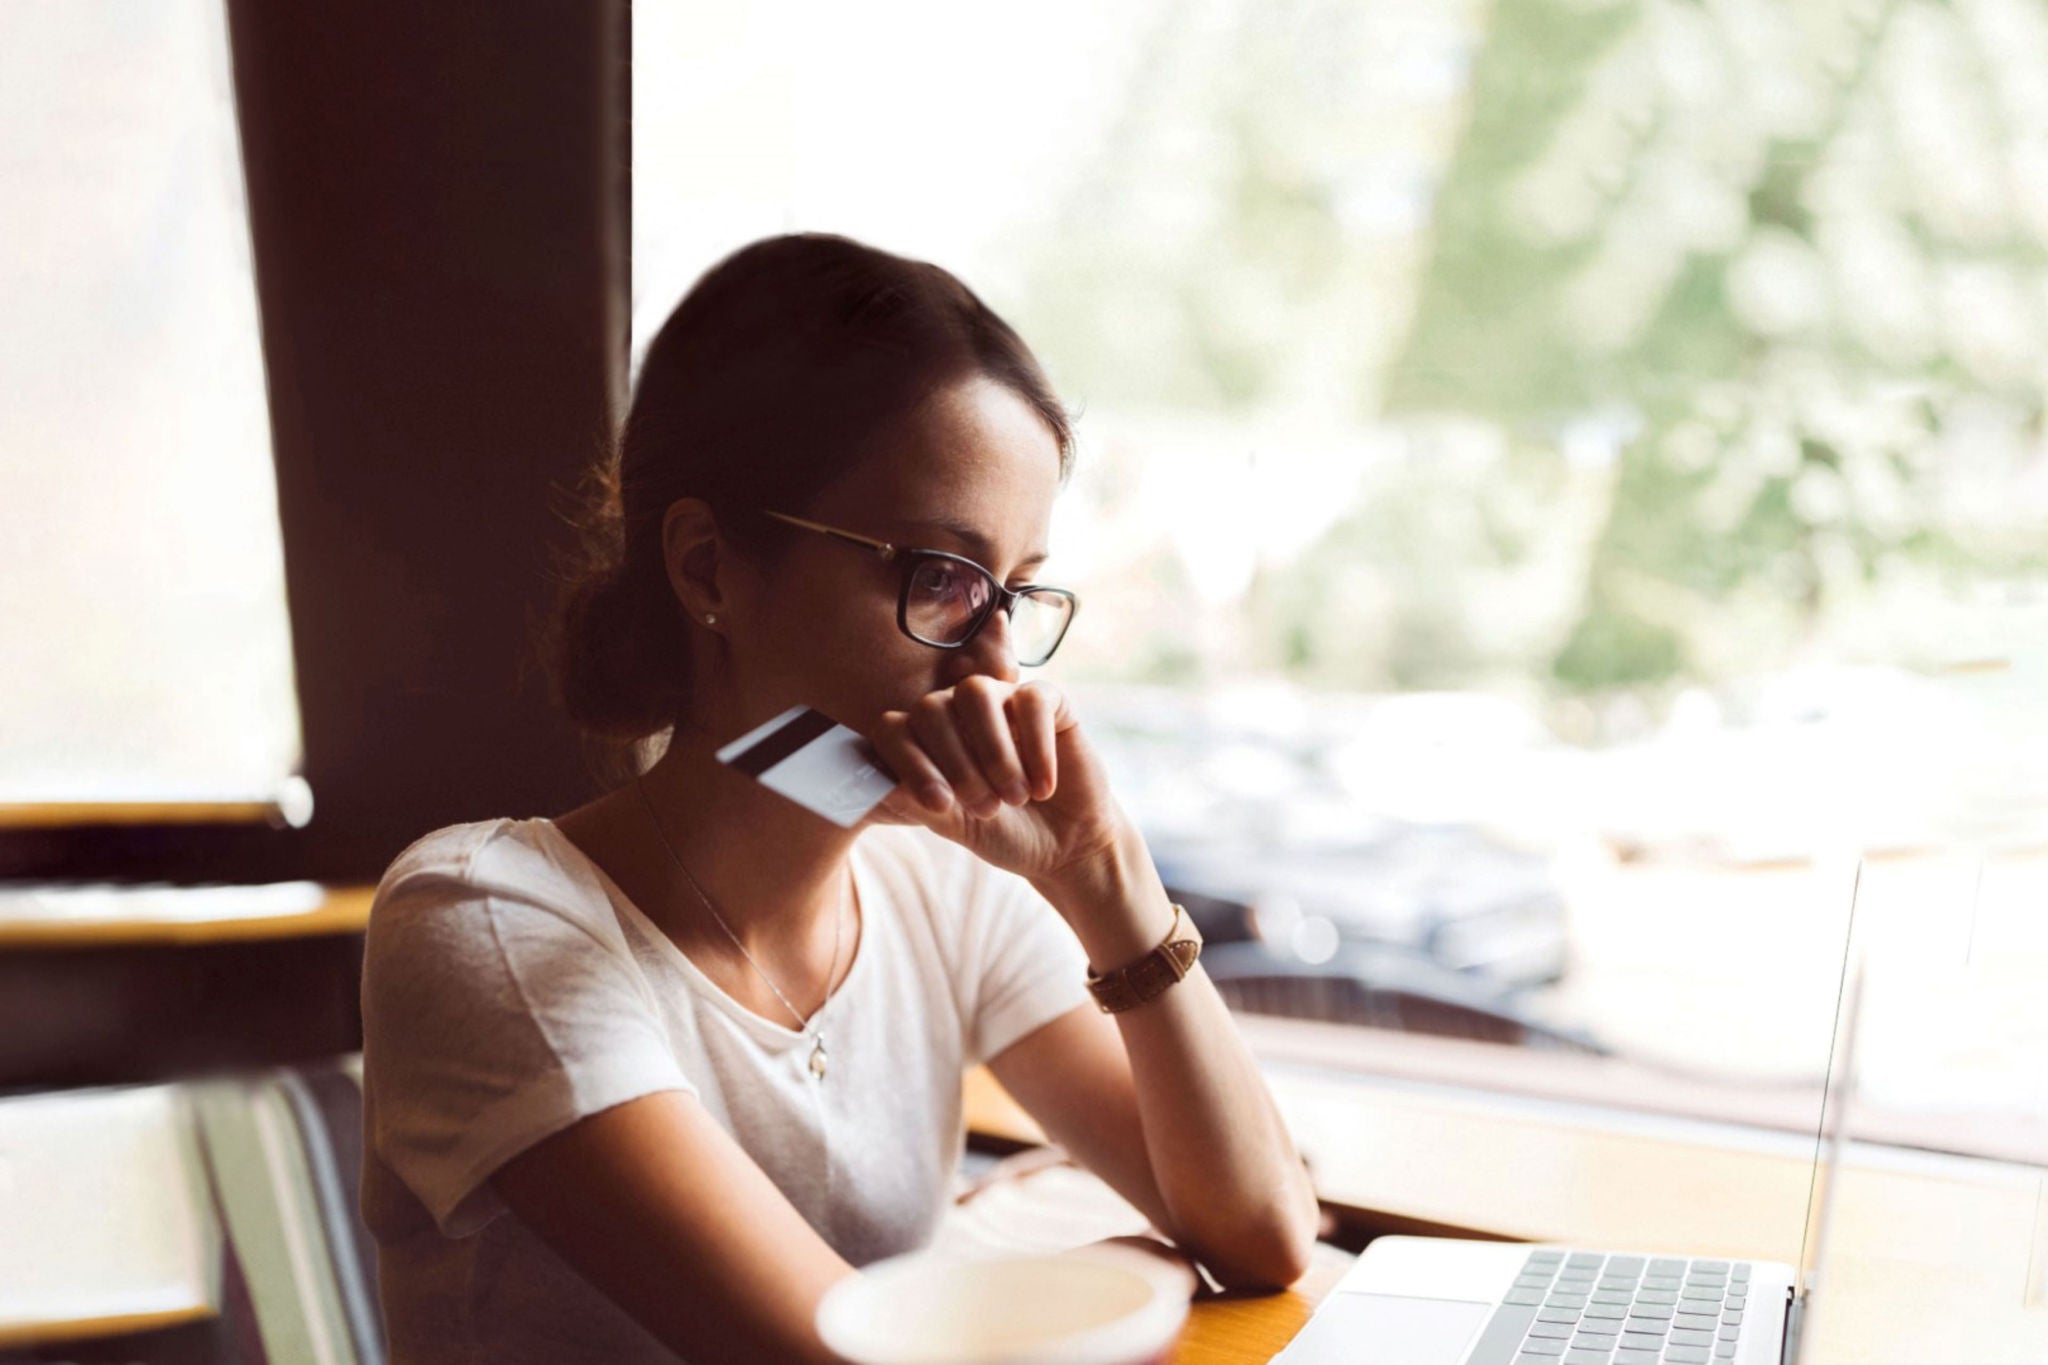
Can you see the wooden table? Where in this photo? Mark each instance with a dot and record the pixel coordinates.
(1254, 1327)
(103, 986)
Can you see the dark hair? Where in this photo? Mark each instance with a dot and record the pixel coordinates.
(778, 371)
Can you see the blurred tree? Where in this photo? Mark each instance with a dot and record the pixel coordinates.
(1226, 249)
(1731, 312)
(1185, 265)
(1761, 233)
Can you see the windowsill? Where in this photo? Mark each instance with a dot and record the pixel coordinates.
(184, 916)
(63, 814)
(1434, 1136)
(1619, 1094)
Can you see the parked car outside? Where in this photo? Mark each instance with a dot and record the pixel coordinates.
(1244, 814)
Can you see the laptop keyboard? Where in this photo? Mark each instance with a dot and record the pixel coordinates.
(1583, 1308)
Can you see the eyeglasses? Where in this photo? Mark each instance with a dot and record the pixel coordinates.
(945, 599)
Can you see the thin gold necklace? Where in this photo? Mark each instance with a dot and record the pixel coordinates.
(838, 931)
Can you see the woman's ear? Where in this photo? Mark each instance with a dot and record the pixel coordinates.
(698, 561)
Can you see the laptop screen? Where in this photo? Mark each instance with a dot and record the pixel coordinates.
(1836, 1091)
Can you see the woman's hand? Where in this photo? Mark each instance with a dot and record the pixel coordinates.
(1003, 769)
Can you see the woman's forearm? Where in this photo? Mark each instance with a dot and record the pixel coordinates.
(1221, 1154)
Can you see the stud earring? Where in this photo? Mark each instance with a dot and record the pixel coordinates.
(710, 618)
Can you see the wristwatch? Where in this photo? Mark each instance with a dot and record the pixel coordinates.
(1137, 982)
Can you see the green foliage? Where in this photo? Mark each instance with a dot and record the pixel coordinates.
(1611, 647)
(1484, 338)
(1648, 225)
(1502, 332)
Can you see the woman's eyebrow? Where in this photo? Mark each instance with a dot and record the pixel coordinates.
(983, 547)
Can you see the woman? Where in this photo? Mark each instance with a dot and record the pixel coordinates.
(706, 1045)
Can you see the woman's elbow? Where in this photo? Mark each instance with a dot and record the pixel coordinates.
(1273, 1258)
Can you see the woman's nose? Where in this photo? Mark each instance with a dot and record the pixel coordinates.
(991, 650)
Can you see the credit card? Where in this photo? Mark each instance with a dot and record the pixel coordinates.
(814, 761)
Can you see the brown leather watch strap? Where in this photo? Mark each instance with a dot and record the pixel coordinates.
(1139, 981)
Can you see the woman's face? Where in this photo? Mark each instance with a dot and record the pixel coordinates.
(973, 472)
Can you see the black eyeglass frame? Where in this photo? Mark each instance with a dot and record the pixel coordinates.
(999, 597)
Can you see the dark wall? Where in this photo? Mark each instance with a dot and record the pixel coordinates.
(117, 1014)
(439, 206)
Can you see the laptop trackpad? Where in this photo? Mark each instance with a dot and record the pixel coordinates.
(1382, 1329)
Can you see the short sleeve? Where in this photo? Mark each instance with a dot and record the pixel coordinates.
(1028, 965)
(490, 1021)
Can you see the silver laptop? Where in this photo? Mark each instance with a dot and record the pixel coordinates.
(1449, 1301)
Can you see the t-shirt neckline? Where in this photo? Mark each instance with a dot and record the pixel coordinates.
(863, 884)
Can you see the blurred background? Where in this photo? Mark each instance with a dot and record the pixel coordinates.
(1562, 484)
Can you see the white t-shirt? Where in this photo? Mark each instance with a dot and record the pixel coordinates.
(509, 988)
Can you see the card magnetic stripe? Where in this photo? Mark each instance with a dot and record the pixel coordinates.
(774, 748)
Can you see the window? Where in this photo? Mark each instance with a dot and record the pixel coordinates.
(146, 656)
(1560, 483)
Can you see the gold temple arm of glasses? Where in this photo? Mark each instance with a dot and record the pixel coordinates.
(881, 547)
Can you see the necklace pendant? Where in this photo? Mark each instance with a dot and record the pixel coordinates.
(818, 1060)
